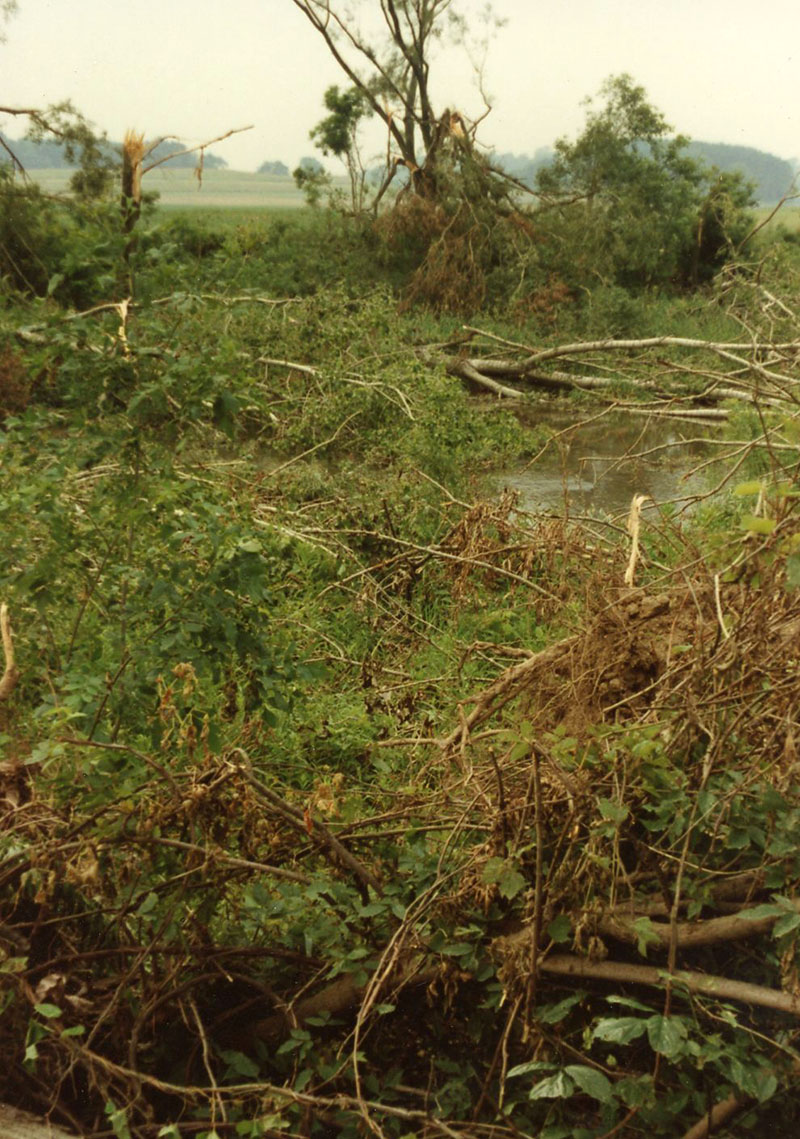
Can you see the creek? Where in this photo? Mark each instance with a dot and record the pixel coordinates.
(596, 463)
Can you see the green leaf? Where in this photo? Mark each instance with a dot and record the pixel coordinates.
(560, 928)
(457, 949)
(148, 905)
(510, 883)
(786, 924)
(240, 1064)
(592, 1082)
(530, 1066)
(767, 910)
(76, 1030)
(666, 1035)
(559, 1086)
(619, 1030)
(49, 1011)
(645, 934)
(752, 487)
(757, 525)
(628, 1002)
(614, 812)
(552, 1014)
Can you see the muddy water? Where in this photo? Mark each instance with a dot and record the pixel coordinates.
(597, 464)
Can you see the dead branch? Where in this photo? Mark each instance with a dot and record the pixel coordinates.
(720, 988)
(467, 370)
(720, 1113)
(201, 146)
(315, 829)
(712, 931)
(505, 686)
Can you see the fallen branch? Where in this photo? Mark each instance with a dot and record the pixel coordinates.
(466, 370)
(729, 927)
(713, 1120)
(720, 988)
(315, 829)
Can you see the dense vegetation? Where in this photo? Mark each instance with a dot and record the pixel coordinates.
(340, 795)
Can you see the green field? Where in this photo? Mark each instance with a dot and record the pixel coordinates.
(178, 189)
(220, 189)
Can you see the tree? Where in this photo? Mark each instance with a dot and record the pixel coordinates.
(312, 178)
(392, 75)
(627, 205)
(273, 167)
(337, 134)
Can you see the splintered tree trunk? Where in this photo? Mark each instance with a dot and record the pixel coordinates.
(131, 198)
(131, 203)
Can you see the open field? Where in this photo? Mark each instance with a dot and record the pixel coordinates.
(239, 190)
(220, 189)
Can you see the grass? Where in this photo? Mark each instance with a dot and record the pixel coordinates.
(787, 218)
(220, 189)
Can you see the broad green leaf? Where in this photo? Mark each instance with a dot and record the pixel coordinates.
(560, 928)
(786, 924)
(752, 487)
(552, 1014)
(559, 1086)
(49, 1011)
(614, 812)
(591, 1081)
(511, 882)
(666, 1035)
(767, 910)
(529, 1066)
(645, 934)
(240, 1064)
(149, 904)
(620, 1029)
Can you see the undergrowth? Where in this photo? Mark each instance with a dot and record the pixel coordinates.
(340, 793)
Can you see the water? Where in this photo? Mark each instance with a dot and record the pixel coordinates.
(598, 463)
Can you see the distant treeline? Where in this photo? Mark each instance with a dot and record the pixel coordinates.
(772, 176)
(49, 154)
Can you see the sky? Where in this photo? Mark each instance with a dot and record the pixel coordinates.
(719, 70)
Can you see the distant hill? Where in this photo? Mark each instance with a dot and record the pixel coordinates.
(772, 176)
(49, 155)
(522, 166)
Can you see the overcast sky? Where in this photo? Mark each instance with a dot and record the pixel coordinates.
(719, 70)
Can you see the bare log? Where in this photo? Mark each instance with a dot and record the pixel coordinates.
(729, 927)
(720, 1113)
(720, 988)
(467, 370)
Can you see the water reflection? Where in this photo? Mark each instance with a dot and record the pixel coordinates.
(598, 463)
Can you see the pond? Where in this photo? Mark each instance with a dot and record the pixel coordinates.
(596, 463)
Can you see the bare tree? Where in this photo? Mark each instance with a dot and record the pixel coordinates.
(392, 71)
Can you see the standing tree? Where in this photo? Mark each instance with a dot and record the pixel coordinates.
(626, 204)
(390, 73)
(337, 134)
(449, 226)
